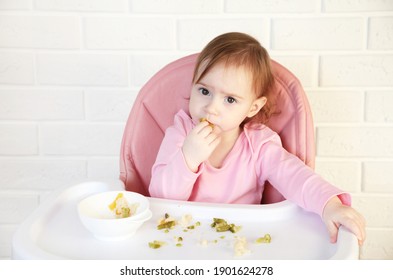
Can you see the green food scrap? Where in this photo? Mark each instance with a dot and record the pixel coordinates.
(166, 223)
(222, 225)
(265, 239)
(179, 241)
(125, 212)
(156, 244)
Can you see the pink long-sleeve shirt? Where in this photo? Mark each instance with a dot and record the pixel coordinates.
(256, 157)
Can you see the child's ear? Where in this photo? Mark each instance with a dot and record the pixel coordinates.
(256, 106)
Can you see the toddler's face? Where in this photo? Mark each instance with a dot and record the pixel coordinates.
(224, 96)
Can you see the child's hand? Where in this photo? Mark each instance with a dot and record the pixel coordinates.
(199, 145)
(336, 214)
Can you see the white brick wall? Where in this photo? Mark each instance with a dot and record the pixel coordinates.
(378, 106)
(81, 69)
(317, 33)
(70, 71)
(368, 70)
(47, 32)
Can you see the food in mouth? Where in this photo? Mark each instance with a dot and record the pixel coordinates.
(205, 120)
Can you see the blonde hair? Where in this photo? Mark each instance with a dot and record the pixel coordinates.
(240, 50)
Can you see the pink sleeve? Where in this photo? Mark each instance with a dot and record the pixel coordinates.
(296, 181)
(171, 177)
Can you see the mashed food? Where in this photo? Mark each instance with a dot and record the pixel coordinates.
(122, 208)
(241, 246)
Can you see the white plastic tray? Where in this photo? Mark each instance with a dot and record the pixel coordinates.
(54, 231)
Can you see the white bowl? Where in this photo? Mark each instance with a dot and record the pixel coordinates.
(96, 216)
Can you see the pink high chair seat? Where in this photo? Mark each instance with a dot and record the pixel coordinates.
(168, 91)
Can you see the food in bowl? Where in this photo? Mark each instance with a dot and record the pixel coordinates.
(121, 208)
(100, 220)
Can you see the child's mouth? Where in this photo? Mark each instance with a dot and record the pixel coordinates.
(205, 120)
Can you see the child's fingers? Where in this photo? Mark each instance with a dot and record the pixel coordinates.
(333, 232)
(203, 129)
(213, 140)
(362, 229)
(354, 223)
(336, 214)
(357, 226)
(200, 126)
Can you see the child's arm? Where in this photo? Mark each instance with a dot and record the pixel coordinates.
(302, 185)
(177, 165)
(171, 178)
(296, 181)
(336, 214)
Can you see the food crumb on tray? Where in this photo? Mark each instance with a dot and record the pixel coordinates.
(265, 239)
(156, 244)
(240, 244)
(167, 222)
(222, 225)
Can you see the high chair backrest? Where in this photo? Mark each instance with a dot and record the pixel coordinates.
(168, 91)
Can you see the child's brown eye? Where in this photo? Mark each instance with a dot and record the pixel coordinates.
(231, 100)
(204, 91)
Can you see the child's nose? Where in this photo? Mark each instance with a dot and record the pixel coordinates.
(211, 108)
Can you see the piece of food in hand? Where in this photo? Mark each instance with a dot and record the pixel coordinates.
(122, 208)
(205, 120)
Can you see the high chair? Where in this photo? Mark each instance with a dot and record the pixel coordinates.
(53, 230)
(168, 91)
